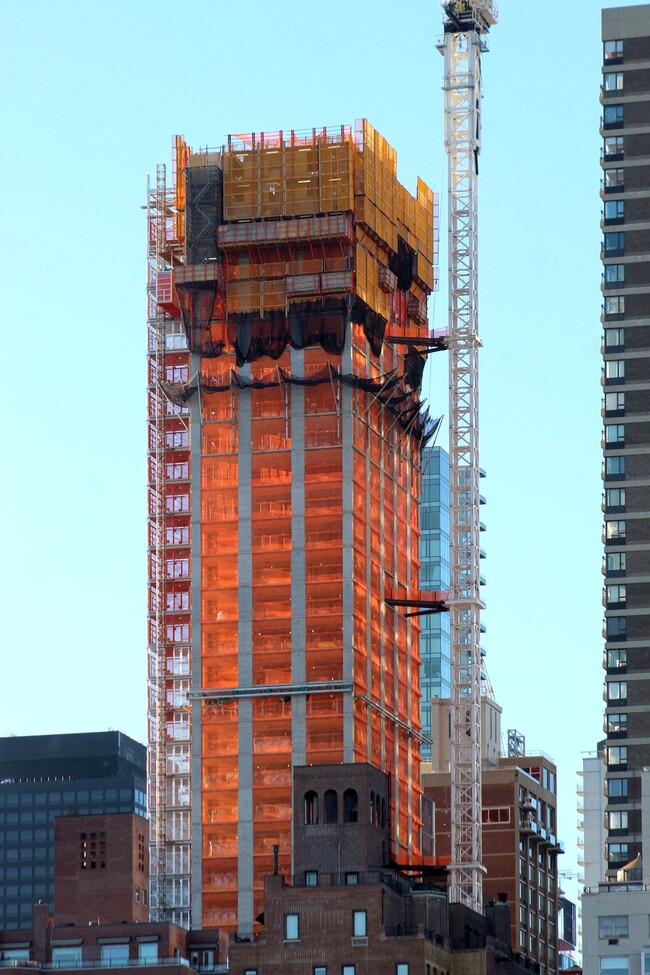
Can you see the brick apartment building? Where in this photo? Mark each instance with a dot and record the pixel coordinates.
(349, 910)
(101, 871)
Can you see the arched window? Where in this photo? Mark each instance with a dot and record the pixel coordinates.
(311, 808)
(350, 806)
(331, 800)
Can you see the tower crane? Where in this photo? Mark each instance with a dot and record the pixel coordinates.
(466, 22)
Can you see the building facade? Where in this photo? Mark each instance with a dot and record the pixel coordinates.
(626, 440)
(520, 847)
(288, 282)
(435, 669)
(348, 911)
(49, 776)
(591, 818)
(615, 911)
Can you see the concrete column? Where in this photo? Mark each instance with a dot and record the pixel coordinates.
(298, 562)
(245, 660)
(196, 826)
(348, 549)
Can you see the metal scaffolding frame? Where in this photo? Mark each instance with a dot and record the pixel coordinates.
(169, 893)
(465, 23)
(156, 202)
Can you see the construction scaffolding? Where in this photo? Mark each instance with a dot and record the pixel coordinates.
(298, 282)
(168, 539)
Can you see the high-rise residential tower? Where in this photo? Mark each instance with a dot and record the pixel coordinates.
(615, 929)
(288, 333)
(626, 440)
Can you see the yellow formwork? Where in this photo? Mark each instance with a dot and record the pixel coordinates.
(369, 257)
(180, 161)
(289, 180)
(276, 176)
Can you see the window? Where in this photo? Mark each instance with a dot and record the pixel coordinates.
(612, 51)
(66, 957)
(614, 211)
(614, 180)
(614, 338)
(178, 601)
(617, 821)
(350, 806)
(178, 568)
(359, 924)
(615, 965)
(616, 561)
(614, 242)
(616, 627)
(148, 953)
(615, 468)
(311, 878)
(177, 502)
(618, 852)
(613, 116)
(614, 274)
(348, 970)
(177, 438)
(497, 814)
(614, 146)
(617, 658)
(617, 755)
(115, 954)
(331, 801)
(175, 333)
(351, 879)
(616, 595)
(311, 808)
(178, 633)
(178, 535)
(179, 471)
(615, 433)
(15, 954)
(291, 927)
(617, 690)
(402, 968)
(250, 971)
(614, 402)
(92, 849)
(615, 370)
(177, 374)
(613, 81)
(615, 306)
(320, 970)
(616, 723)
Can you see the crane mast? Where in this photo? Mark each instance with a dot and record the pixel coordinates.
(465, 24)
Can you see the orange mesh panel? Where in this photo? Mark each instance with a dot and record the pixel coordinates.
(325, 729)
(219, 635)
(219, 812)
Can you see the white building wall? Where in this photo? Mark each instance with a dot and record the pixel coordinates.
(592, 810)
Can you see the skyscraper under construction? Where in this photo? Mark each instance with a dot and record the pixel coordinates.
(288, 278)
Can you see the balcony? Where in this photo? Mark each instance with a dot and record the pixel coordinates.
(115, 966)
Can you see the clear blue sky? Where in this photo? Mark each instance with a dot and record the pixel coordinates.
(93, 94)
